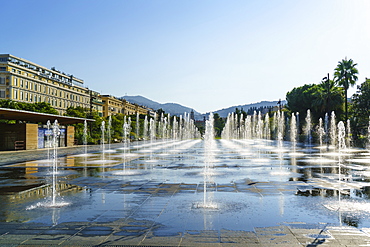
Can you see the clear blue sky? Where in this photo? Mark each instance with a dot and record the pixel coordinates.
(204, 54)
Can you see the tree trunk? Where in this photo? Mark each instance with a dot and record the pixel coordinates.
(346, 104)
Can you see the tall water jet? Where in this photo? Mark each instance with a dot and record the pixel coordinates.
(333, 130)
(308, 128)
(152, 134)
(174, 128)
(248, 127)
(137, 129)
(126, 132)
(297, 121)
(341, 147)
(266, 131)
(85, 136)
(48, 141)
(208, 159)
(280, 128)
(320, 132)
(259, 126)
(52, 199)
(56, 133)
(348, 134)
(326, 129)
(102, 128)
(293, 131)
(145, 129)
(109, 135)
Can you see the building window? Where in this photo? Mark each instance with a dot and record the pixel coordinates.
(27, 84)
(2, 80)
(26, 96)
(15, 94)
(2, 68)
(2, 93)
(21, 95)
(15, 81)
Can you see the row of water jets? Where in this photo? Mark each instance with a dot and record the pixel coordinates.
(282, 128)
(251, 127)
(182, 128)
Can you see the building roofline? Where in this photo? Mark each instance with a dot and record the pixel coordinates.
(13, 114)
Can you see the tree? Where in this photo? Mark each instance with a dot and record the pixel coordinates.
(300, 99)
(77, 112)
(219, 124)
(319, 98)
(346, 75)
(361, 109)
(41, 107)
(329, 97)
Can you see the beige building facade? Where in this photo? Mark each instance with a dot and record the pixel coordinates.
(113, 105)
(25, 81)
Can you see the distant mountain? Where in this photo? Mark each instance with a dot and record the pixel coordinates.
(171, 108)
(177, 109)
(224, 112)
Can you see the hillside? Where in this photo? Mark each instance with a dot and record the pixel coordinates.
(224, 112)
(177, 109)
(172, 108)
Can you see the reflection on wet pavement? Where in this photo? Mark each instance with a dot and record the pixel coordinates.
(148, 196)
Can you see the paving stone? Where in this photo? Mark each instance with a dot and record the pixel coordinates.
(161, 241)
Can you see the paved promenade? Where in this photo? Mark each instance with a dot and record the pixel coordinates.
(11, 157)
(107, 228)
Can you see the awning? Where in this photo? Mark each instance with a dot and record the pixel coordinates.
(36, 117)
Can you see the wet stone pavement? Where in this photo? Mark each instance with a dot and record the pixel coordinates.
(174, 194)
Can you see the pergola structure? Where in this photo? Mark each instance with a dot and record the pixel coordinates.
(36, 117)
(28, 133)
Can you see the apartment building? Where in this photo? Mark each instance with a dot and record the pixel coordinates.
(111, 105)
(96, 103)
(25, 81)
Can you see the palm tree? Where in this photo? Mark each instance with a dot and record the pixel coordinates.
(329, 96)
(346, 75)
